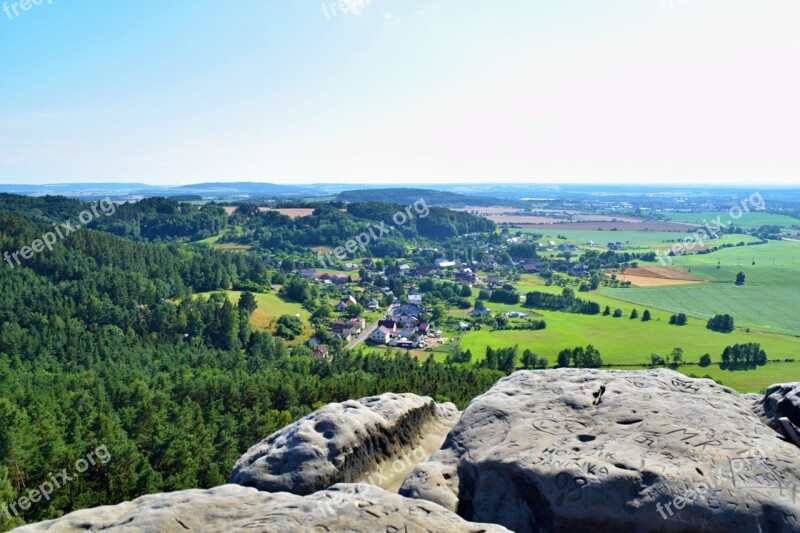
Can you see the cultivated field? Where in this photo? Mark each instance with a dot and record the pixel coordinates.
(753, 219)
(635, 240)
(652, 276)
(646, 225)
(769, 300)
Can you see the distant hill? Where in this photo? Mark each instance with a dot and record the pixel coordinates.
(431, 197)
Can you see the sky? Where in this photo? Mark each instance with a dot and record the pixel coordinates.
(400, 91)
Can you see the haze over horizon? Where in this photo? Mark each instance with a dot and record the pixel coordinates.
(413, 92)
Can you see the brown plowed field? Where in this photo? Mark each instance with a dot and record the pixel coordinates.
(655, 276)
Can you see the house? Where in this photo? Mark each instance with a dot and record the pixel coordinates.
(407, 320)
(350, 266)
(415, 299)
(405, 332)
(463, 326)
(516, 314)
(443, 263)
(466, 276)
(380, 335)
(339, 279)
(373, 305)
(369, 264)
(529, 268)
(405, 267)
(580, 268)
(308, 273)
(358, 324)
(321, 351)
(408, 309)
(345, 303)
(424, 328)
(480, 311)
(344, 329)
(567, 246)
(494, 280)
(389, 324)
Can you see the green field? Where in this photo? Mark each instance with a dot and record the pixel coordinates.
(743, 381)
(625, 341)
(768, 301)
(270, 307)
(753, 219)
(632, 239)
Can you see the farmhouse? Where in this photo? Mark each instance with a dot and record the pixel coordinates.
(380, 335)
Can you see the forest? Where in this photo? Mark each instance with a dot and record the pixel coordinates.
(103, 343)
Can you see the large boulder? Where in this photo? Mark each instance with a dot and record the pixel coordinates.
(353, 508)
(780, 401)
(589, 450)
(376, 440)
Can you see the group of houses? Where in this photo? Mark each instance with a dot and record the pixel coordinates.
(402, 328)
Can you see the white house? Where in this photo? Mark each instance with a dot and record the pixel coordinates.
(380, 335)
(443, 263)
(415, 299)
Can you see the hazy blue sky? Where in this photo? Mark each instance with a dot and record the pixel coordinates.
(400, 91)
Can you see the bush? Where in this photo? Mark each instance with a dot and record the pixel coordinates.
(705, 360)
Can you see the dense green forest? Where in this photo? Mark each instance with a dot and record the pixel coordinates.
(103, 344)
(277, 234)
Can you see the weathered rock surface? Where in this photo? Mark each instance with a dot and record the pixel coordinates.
(588, 450)
(352, 508)
(376, 440)
(780, 401)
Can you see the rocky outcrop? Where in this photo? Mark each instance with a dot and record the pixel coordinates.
(353, 508)
(376, 440)
(546, 451)
(588, 450)
(780, 401)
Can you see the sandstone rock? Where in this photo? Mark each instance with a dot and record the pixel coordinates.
(589, 450)
(780, 401)
(352, 508)
(376, 440)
